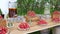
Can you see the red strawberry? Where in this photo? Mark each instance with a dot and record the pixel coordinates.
(26, 25)
(22, 26)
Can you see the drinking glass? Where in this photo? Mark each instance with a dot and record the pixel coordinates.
(9, 24)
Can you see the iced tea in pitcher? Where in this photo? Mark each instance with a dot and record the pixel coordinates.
(12, 12)
(12, 8)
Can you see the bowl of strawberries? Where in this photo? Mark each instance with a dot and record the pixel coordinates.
(56, 16)
(23, 26)
(41, 22)
(3, 30)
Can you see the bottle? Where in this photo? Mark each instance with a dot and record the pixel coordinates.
(12, 8)
(47, 10)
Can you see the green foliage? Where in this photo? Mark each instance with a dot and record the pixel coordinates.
(57, 5)
(0, 11)
(25, 5)
(37, 6)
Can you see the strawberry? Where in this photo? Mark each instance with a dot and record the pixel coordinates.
(26, 25)
(20, 26)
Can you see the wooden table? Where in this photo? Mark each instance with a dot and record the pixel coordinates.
(33, 29)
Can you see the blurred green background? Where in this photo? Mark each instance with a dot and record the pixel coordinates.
(36, 5)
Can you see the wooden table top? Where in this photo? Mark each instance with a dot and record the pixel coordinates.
(50, 24)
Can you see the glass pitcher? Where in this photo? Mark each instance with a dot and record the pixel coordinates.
(12, 8)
